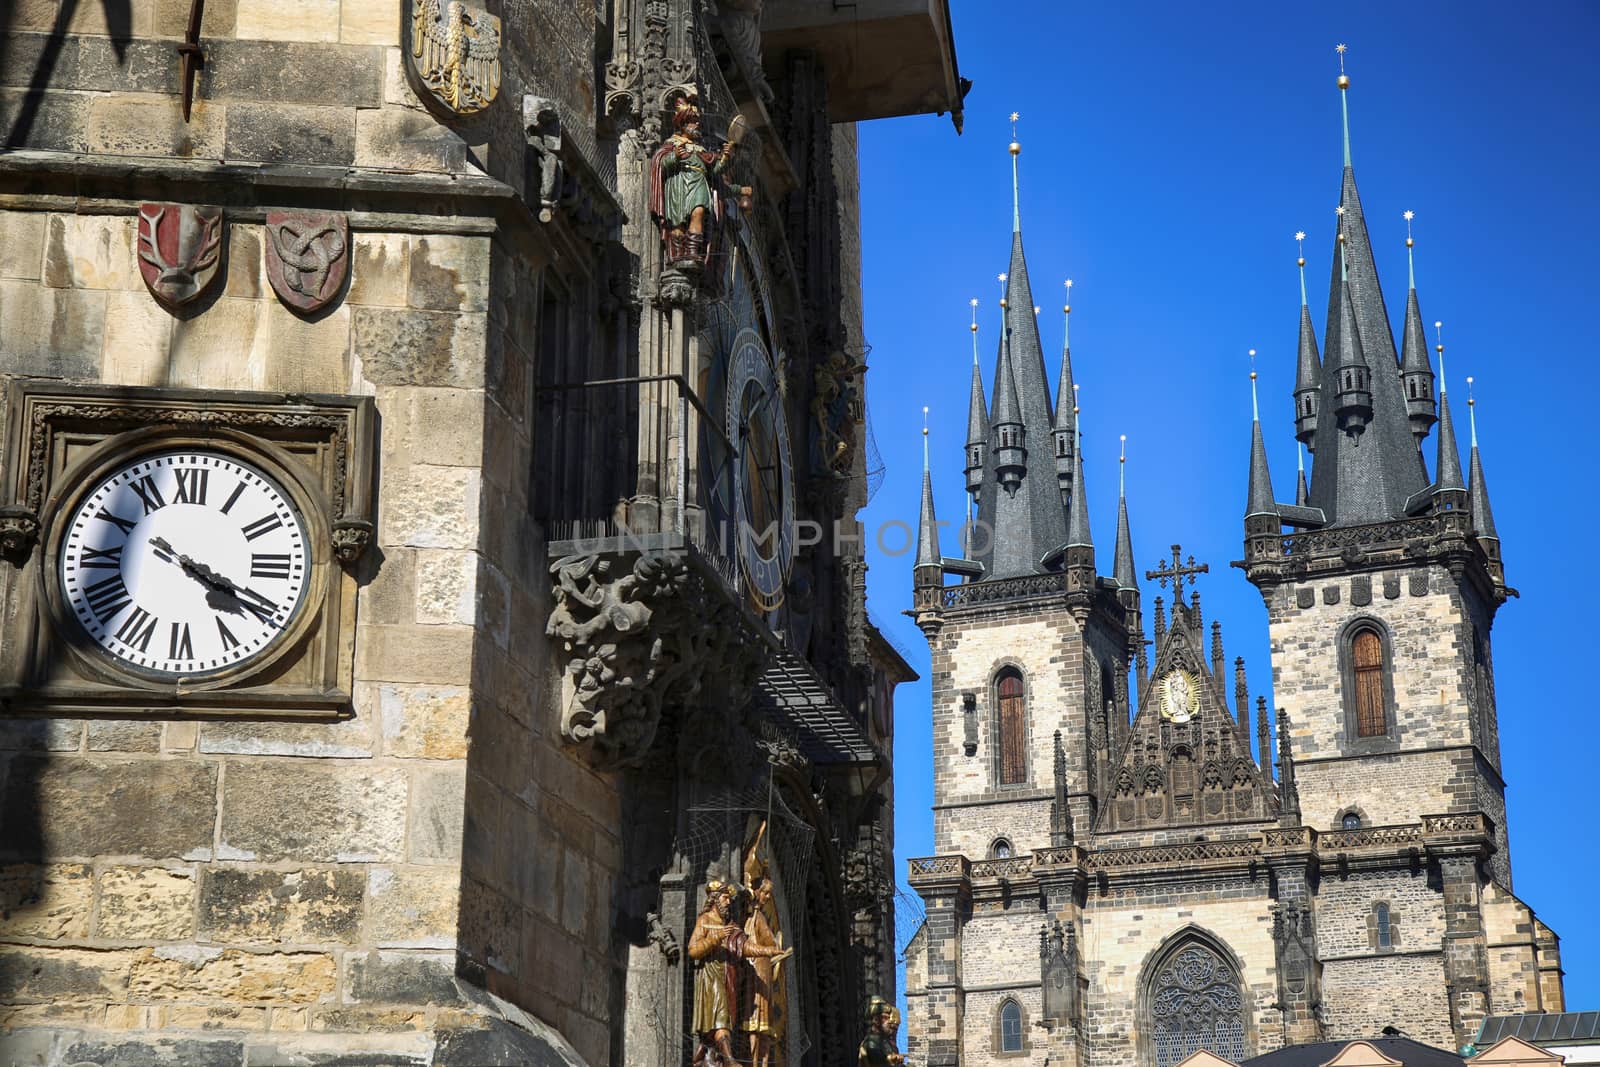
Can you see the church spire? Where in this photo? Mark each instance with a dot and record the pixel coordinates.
(1308, 371)
(1078, 515)
(1352, 393)
(1016, 200)
(1344, 101)
(1122, 568)
(977, 419)
(1066, 424)
(1482, 516)
(1415, 370)
(1447, 469)
(1302, 494)
(1011, 446)
(1260, 501)
(927, 525)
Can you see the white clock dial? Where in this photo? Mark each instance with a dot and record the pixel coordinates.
(185, 563)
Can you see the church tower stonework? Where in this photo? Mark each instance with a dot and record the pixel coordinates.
(1184, 890)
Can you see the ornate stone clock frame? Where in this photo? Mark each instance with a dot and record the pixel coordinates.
(60, 438)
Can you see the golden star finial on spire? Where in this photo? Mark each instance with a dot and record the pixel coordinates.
(1014, 147)
(1344, 79)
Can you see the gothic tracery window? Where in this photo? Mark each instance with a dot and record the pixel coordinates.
(1010, 1027)
(1366, 658)
(1013, 728)
(1195, 1003)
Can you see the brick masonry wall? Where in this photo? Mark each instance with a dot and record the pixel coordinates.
(1413, 997)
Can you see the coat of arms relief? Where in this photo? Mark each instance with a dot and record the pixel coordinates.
(455, 53)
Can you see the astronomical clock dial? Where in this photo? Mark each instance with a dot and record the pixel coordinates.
(184, 563)
(1180, 698)
(762, 472)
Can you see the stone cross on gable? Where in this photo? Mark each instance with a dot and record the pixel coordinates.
(1177, 572)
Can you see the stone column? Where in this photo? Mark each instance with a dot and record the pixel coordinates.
(1290, 854)
(947, 893)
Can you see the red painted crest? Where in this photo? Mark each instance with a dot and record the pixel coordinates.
(308, 255)
(180, 249)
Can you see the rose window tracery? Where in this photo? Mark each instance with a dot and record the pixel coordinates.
(1195, 1004)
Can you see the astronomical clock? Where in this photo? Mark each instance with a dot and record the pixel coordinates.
(181, 552)
(746, 457)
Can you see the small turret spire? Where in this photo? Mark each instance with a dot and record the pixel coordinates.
(1016, 202)
(1078, 514)
(1122, 568)
(1288, 794)
(1302, 492)
(1352, 392)
(1066, 421)
(1308, 368)
(1415, 371)
(1260, 499)
(1344, 100)
(927, 525)
(977, 422)
(1482, 516)
(1447, 468)
(1011, 449)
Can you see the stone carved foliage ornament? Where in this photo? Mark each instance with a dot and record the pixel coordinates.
(455, 54)
(180, 249)
(190, 549)
(307, 257)
(642, 638)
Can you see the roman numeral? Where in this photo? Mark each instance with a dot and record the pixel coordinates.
(264, 525)
(233, 498)
(136, 631)
(115, 520)
(228, 640)
(106, 558)
(192, 485)
(149, 495)
(181, 646)
(269, 565)
(107, 597)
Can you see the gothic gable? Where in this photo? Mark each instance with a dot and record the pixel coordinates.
(1186, 761)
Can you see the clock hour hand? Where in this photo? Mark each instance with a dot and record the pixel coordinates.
(194, 568)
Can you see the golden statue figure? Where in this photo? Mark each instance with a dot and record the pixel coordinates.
(762, 1011)
(878, 1048)
(716, 946)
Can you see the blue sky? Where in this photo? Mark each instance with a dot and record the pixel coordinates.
(1170, 152)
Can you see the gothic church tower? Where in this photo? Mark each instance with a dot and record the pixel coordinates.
(1185, 889)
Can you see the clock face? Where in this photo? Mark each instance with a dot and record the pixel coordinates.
(1179, 697)
(762, 473)
(184, 563)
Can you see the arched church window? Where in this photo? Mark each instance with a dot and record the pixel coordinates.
(1195, 1003)
(1010, 1027)
(1000, 849)
(1366, 656)
(1350, 821)
(1385, 928)
(1013, 727)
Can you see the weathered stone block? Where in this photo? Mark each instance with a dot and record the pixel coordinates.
(369, 1020)
(155, 903)
(402, 977)
(217, 350)
(446, 426)
(46, 902)
(425, 721)
(389, 590)
(180, 736)
(131, 18)
(436, 814)
(53, 333)
(192, 973)
(288, 1018)
(447, 582)
(403, 347)
(157, 1051)
(369, 22)
(50, 121)
(263, 71)
(284, 133)
(380, 269)
(48, 735)
(272, 811)
(346, 739)
(136, 337)
(449, 273)
(29, 972)
(432, 507)
(92, 807)
(22, 236)
(406, 140)
(244, 266)
(289, 20)
(429, 654)
(396, 87)
(310, 906)
(92, 252)
(148, 124)
(111, 735)
(172, 18)
(413, 907)
(304, 355)
(212, 1017)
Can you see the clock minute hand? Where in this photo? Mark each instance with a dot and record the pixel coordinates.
(194, 568)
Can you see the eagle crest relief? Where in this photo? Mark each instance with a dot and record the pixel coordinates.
(455, 51)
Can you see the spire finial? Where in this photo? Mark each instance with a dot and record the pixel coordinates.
(1472, 412)
(1015, 149)
(1001, 278)
(1075, 388)
(1300, 261)
(1344, 96)
(1411, 266)
(924, 439)
(974, 303)
(1066, 312)
(1255, 406)
(1122, 469)
(1438, 333)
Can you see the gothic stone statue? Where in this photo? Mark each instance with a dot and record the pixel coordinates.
(717, 947)
(684, 176)
(762, 1011)
(878, 1047)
